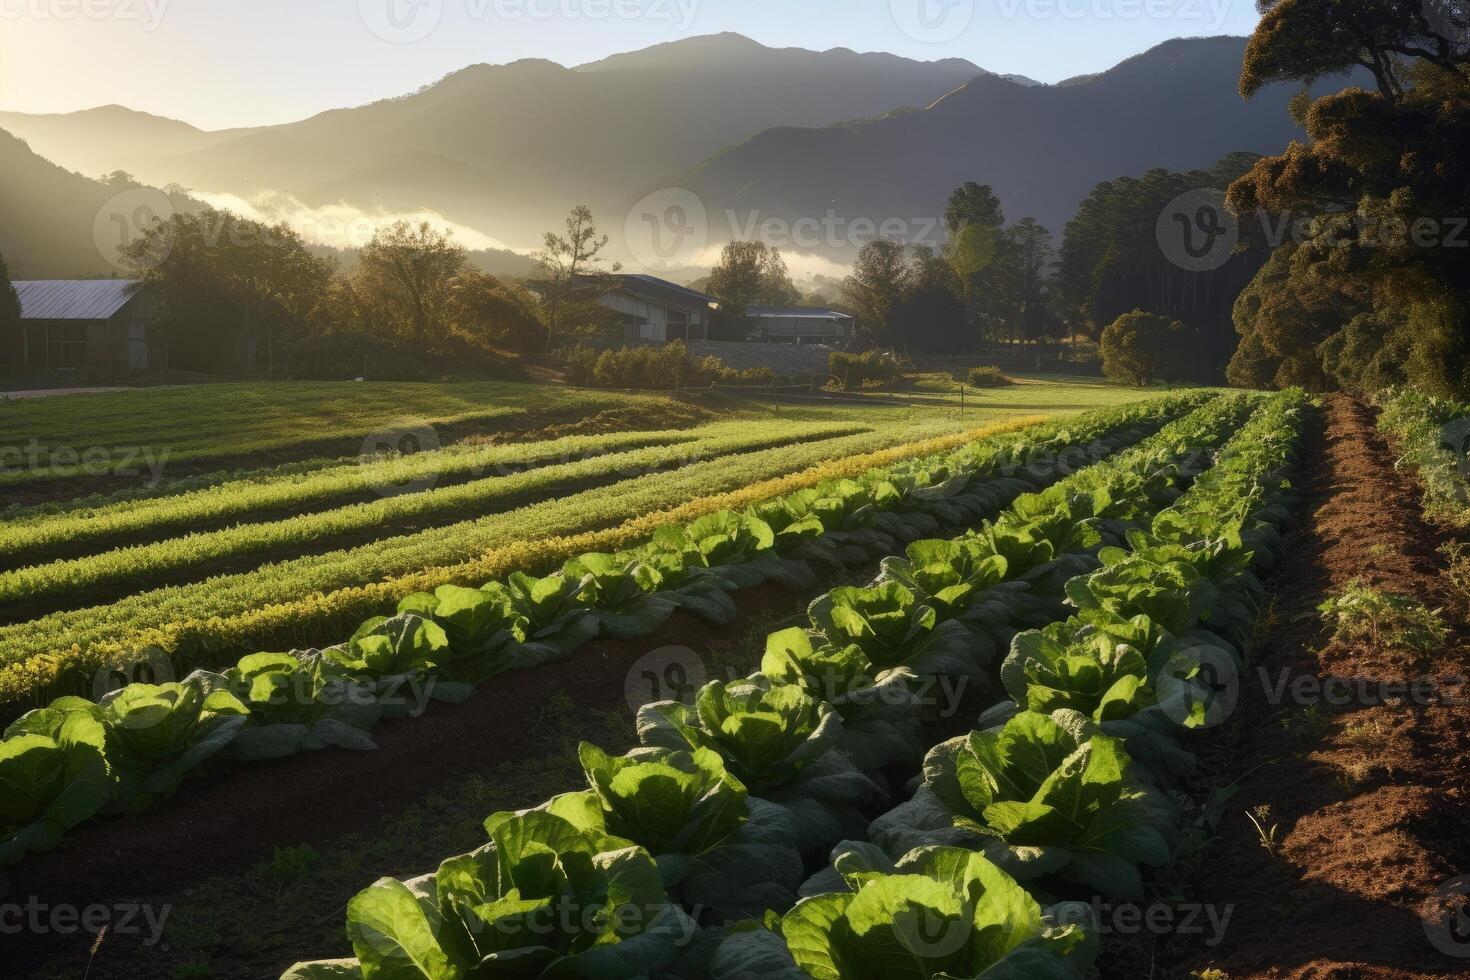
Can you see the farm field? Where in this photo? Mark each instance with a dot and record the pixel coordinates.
(213, 565)
(857, 643)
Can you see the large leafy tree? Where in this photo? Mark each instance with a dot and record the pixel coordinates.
(1379, 192)
(218, 277)
(880, 276)
(751, 274)
(405, 280)
(929, 314)
(974, 223)
(1112, 260)
(1141, 347)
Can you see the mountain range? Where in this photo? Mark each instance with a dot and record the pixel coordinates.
(787, 133)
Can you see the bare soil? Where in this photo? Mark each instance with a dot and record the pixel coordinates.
(1367, 792)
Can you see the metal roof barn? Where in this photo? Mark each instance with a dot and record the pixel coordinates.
(75, 299)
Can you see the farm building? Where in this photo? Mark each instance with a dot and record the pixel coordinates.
(656, 309)
(70, 324)
(799, 325)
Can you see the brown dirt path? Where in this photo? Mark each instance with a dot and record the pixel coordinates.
(1368, 783)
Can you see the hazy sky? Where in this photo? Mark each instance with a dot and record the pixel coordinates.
(219, 63)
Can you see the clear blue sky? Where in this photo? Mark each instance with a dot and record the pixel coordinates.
(220, 63)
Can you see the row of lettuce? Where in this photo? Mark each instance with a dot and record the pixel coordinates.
(1433, 438)
(66, 762)
(689, 857)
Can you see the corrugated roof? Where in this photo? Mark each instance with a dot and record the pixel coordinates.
(796, 312)
(74, 299)
(662, 292)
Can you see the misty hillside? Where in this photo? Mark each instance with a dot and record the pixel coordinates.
(50, 216)
(99, 141)
(1041, 148)
(509, 148)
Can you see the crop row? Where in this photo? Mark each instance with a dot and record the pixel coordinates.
(441, 645)
(717, 815)
(26, 533)
(196, 423)
(314, 600)
(1433, 435)
(129, 570)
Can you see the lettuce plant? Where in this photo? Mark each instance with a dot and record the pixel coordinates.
(1102, 676)
(156, 733)
(691, 587)
(799, 530)
(544, 899)
(53, 776)
(481, 628)
(296, 707)
(716, 847)
(556, 617)
(881, 717)
(394, 655)
(740, 548)
(960, 578)
(849, 512)
(779, 742)
(938, 914)
(622, 593)
(1040, 795)
(892, 629)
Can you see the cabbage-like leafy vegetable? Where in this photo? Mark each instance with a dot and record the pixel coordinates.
(53, 775)
(938, 914)
(295, 706)
(739, 548)
(557, 620)
(779, 741)
(960, 578)
(394, 656)
(156, 733)
(881, 716)
(482, 630)
(1039, 797)
(717, 847)
(892, 629)
(623, 594)
(544, 899)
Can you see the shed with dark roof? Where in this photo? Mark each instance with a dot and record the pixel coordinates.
(656, 309)
(107, 325)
